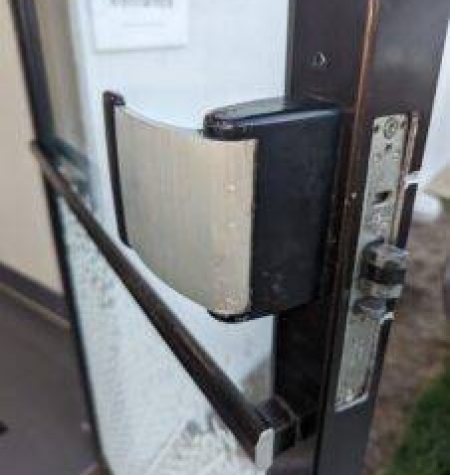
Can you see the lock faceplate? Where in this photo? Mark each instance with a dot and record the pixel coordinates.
(388, 165)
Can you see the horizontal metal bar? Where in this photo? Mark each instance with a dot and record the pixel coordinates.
(250, 428)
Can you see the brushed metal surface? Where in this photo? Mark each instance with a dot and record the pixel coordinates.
(188, 208)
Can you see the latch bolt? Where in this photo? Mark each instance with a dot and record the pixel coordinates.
(383, 271)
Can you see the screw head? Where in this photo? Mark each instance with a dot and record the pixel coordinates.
(391, 128)
(319, 60)
(371, 307)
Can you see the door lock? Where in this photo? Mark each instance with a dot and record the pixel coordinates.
(380, 266)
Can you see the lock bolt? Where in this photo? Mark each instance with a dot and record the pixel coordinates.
(383, 271)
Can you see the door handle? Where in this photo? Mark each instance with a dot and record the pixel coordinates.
(233, 216)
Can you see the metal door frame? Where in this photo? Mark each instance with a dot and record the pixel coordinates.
(341, 52)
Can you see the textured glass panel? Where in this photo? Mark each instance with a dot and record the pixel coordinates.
(152, 418)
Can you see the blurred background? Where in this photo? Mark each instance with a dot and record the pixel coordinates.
(44, 426)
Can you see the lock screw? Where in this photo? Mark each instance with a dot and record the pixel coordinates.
(391, 128)
(371, 307)
(319, 60)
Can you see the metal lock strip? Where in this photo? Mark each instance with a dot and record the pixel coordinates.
(379, 264)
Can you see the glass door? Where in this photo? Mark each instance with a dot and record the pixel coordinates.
(231, 186)
(172, 61)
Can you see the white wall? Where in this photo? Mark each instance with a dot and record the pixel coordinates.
(437, 154)
(26, 243)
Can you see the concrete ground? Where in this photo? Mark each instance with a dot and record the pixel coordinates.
(43, 428)
(419, 344)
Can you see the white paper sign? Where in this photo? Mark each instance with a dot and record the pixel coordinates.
(138, 24)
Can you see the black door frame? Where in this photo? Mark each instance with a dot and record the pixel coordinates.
(342, 52)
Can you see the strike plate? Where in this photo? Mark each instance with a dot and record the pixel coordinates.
(383, 196)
